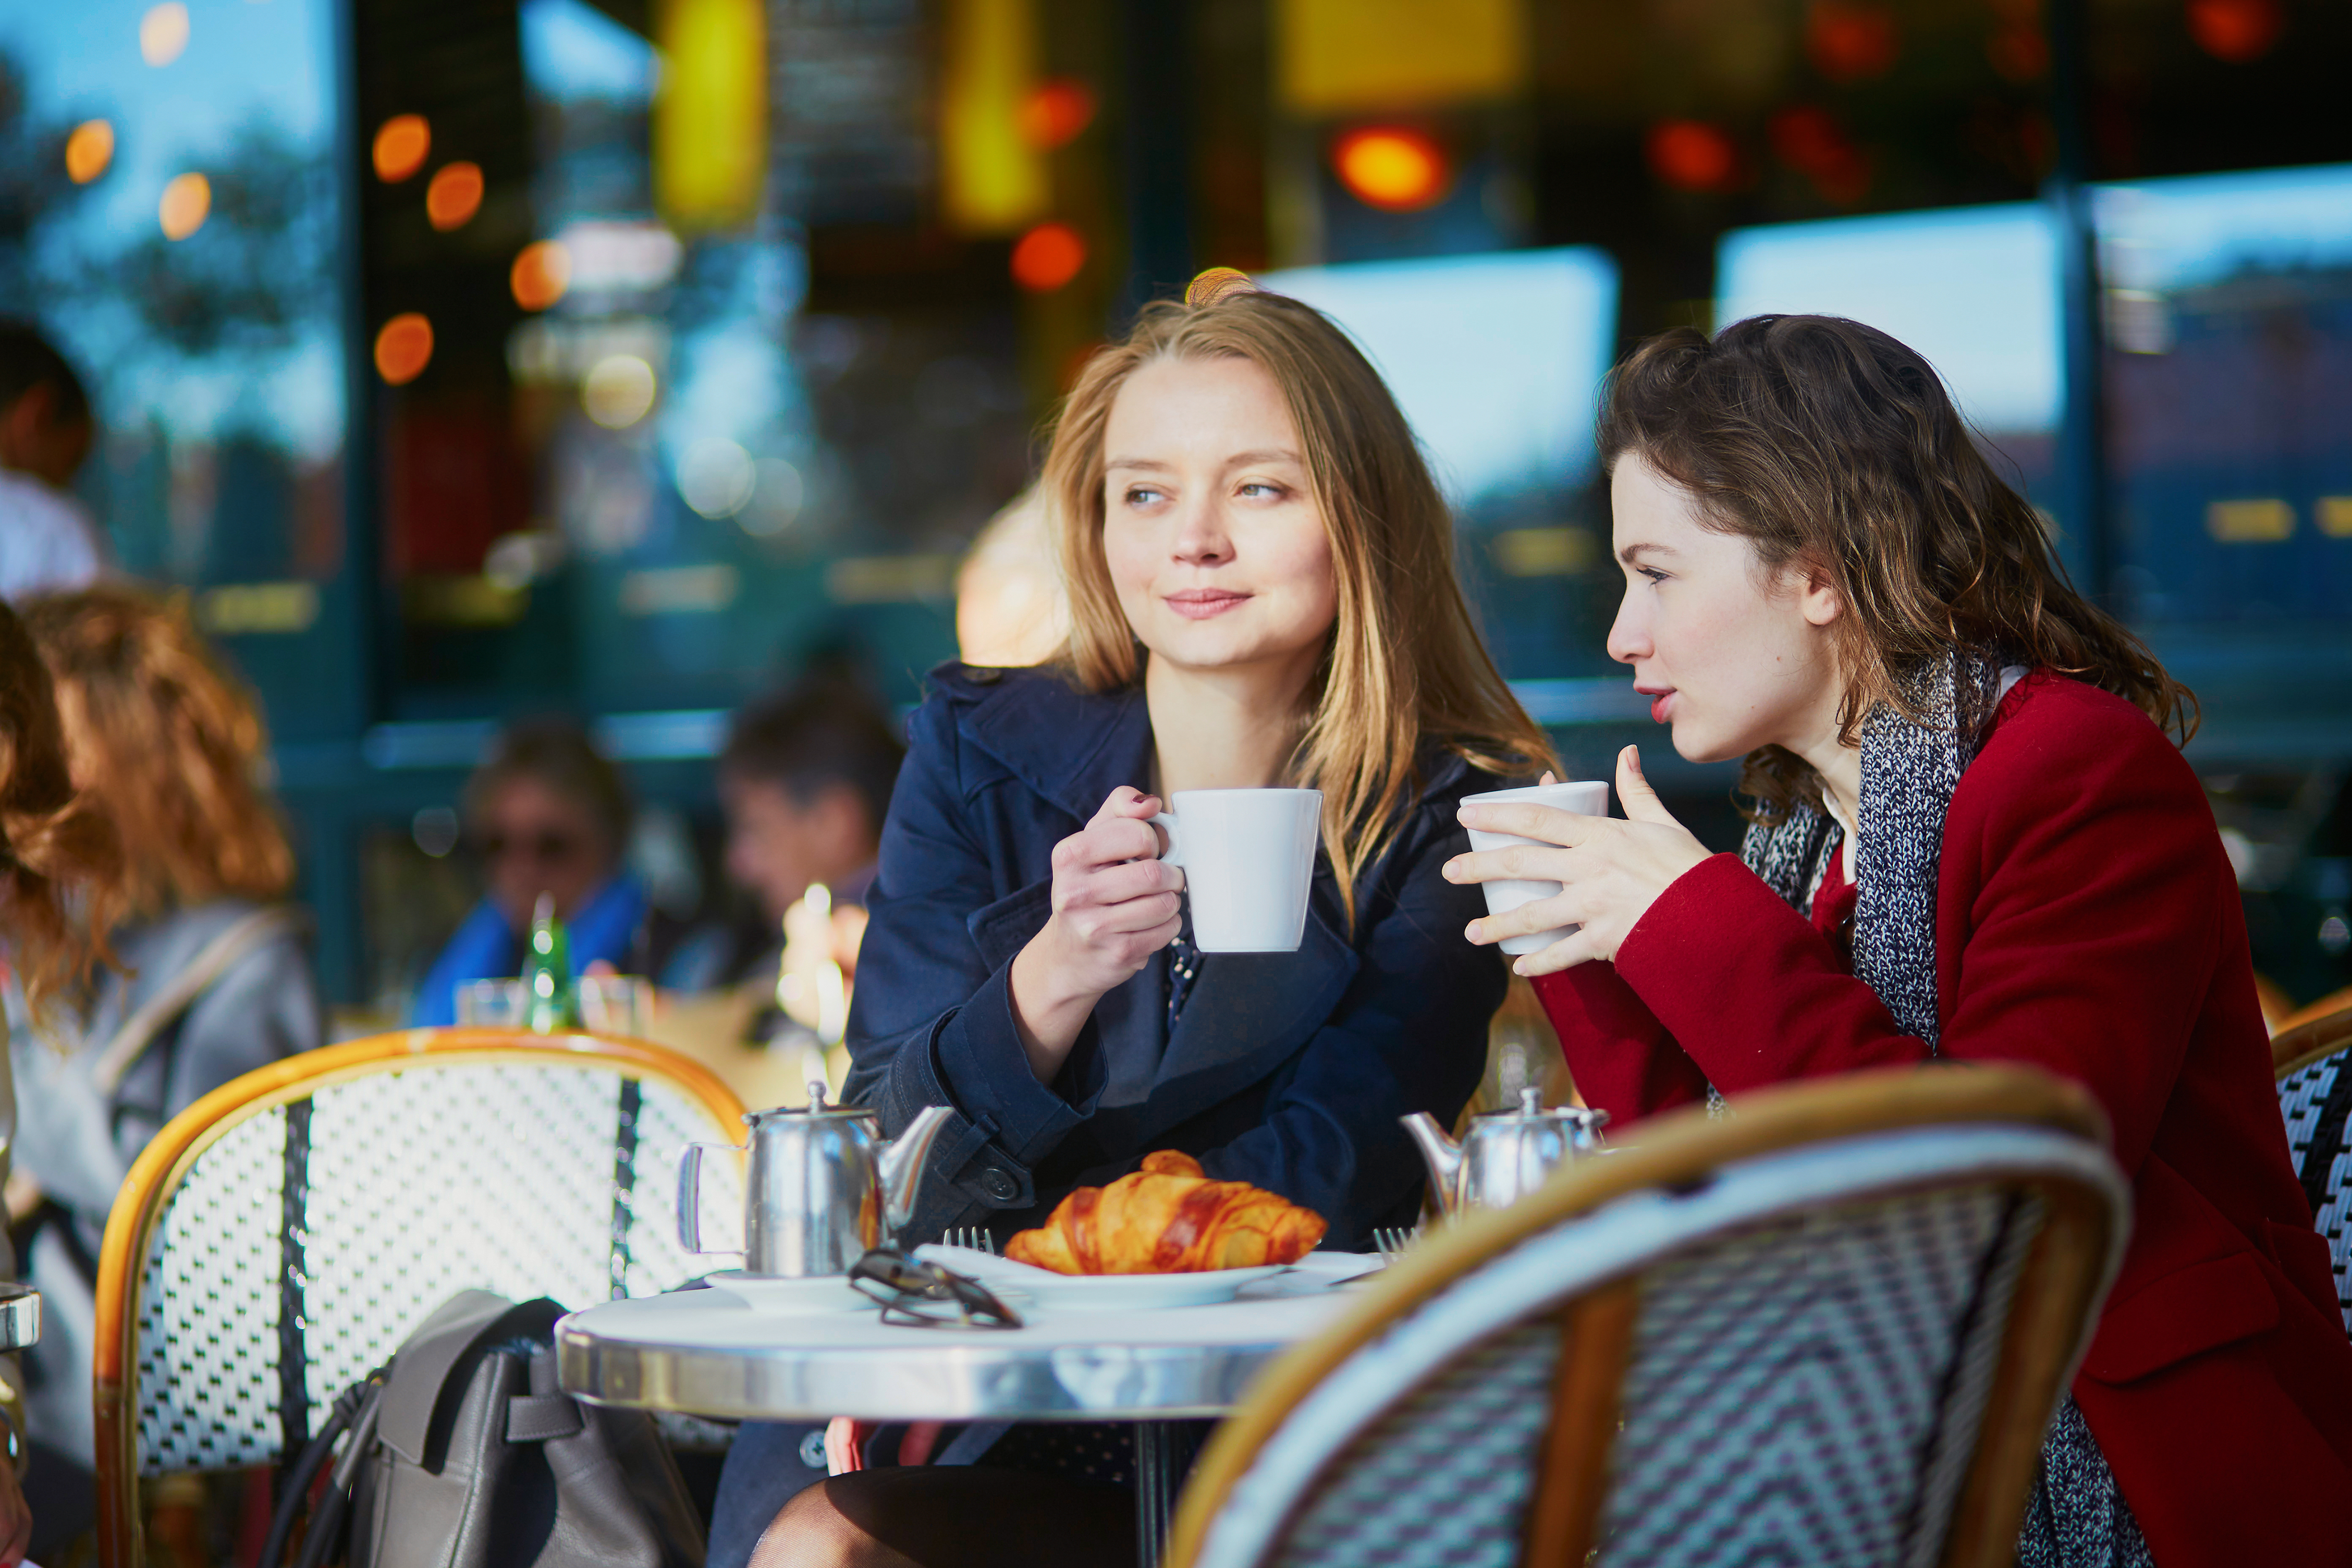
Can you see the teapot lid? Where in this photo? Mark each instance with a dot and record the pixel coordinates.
(816, 1106)
(1532, 1108)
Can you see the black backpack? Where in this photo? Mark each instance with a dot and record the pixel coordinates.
(464, 1454)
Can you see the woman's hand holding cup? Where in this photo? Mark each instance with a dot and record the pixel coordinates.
(1115, 905)
(1609, 871)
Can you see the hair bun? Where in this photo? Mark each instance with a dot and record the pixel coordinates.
(1218, 283)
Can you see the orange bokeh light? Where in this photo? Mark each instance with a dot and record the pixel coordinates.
(541, 271)
(1056, 112)
(404, 348)
(187, 200)
(1693, 156)
(454, 196)
(1048, 256)
(89, 150)
(1394, 168)
(401, 144)
(2236, 31)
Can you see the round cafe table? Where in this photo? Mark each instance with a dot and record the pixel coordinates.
(709, 1353)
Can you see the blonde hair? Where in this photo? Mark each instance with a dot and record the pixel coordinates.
(1404, 665)
(58, 858)
(168, 742)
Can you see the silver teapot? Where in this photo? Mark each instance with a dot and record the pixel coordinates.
(1505, 1155)
(824, 1185)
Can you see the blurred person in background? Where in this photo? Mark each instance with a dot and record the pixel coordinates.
(213, 978)
(547, 814)
(806, 780)
(60, 871)
(1010, 611)
(47, 541)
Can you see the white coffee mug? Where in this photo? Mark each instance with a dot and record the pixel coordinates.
(1587, 799)
(1248, 858)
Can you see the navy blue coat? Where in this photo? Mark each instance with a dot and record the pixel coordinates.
(1286, 1070)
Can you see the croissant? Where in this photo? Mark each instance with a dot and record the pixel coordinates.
(1168, 1218)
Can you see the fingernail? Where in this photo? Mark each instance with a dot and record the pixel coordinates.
(1518, 966)
(1471, 931)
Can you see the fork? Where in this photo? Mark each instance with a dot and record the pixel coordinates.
(1393, 1240)
(972, 1238)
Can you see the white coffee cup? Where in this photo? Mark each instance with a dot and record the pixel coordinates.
(1248, 858)
(1587, 799)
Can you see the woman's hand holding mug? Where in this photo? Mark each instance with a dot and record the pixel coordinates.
(1115, 905)
(1609, 871)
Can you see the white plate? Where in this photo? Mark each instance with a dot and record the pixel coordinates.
(771, 1293)
(1024, 1284)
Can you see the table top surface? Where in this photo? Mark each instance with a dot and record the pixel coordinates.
(709, 1352)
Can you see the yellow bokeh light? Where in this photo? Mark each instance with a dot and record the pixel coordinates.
(401, 144)
(164, 33)
(187, 201)
(404, 348)
(618, 392)
(454, 196)
(541, 272)
(89, 150)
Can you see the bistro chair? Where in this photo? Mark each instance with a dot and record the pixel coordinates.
(1829, 1328)
(2314, 1091)
(279, 1239)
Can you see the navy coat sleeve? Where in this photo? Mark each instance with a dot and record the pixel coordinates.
(931, 1023)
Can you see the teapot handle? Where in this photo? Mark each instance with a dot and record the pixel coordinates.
(689, 1195)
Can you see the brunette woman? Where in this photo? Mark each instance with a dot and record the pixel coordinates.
(214, 976)
(1262, 593)
(59, 877)
(1973, 837)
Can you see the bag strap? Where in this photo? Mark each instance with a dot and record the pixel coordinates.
(178, 994)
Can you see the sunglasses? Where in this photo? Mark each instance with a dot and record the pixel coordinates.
(546, 848)
(926, 1296)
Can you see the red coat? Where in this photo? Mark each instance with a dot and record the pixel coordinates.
(2087, 922)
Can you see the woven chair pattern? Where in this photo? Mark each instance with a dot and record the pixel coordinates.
(2317, 1102)
(305, 1245)
(1442, 1480)
(1804, 1390)
(1809, 1391)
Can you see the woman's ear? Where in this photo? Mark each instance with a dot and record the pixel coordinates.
(1818, 597)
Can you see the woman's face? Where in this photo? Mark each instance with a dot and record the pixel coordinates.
(533, 841)
(1215, 542)
(1733, 657)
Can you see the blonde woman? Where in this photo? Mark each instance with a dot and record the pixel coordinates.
(214, 979)
(1262, 593)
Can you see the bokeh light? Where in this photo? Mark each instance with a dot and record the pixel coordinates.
(401, 144)
(2236, 31)
(1048, 257)
(1056, 111)
(618, 391)
(454, 196)
(164, 33)
(541, 271)
(717, 477)
(1692, 155)
(1849, 42)
(1392, 167)
(89, 150)
(187, 199)
(404, 348)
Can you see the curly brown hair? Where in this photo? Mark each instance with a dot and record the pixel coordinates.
(169, 742)
(60, 862)
(1834, 449)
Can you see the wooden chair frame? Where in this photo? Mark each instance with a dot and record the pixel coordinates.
(2292, 1050)
(160, 1168)
(2066, 1274)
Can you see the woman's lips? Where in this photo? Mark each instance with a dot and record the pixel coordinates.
(1662, 707)
(1200, 604)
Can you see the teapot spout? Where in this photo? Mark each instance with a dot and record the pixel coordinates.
(902, 1164)
(1440, 1153)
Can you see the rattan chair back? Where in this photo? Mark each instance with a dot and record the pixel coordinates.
(280, 1239)
(1830, 1328)
(2315, 1090)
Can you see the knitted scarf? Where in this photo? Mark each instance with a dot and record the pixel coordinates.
(1909, 771)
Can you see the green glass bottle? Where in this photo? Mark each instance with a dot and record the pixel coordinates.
(550, 1002)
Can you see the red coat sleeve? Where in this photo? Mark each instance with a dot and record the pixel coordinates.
(2078, 927)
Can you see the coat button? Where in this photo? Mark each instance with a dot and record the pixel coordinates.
(999, 1185)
